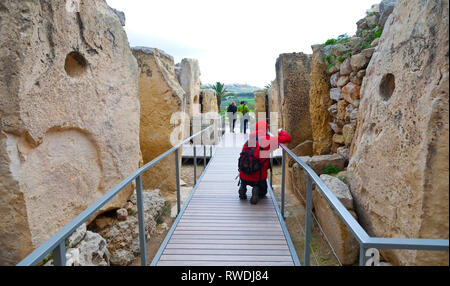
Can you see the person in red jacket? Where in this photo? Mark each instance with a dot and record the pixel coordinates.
(267, 145)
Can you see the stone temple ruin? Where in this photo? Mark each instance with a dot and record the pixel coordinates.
(377, 109)
(69, 109)
(75, 106)
(80, 110)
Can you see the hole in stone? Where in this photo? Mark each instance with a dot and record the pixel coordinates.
(75, 64)
(196, 99)
(387, 86)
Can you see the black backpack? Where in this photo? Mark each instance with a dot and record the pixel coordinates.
(248, 163)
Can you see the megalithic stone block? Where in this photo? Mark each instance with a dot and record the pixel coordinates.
(399, 169)
(162, 101)
(188, 74)
(208, 101)
(293, 75)
(260, 104)
(69, 117)
(319, 103)
(274, 107)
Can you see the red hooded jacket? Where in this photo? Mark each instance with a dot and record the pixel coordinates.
(268, 144)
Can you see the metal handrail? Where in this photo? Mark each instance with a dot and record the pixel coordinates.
(365, 241)
(57, 241)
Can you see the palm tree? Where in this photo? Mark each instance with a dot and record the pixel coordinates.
(220, 92)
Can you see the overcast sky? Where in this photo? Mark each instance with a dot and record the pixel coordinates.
(237, 41)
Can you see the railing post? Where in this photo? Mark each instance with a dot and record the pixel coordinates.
(271, 169)
(195, 164)
(59, 255)
(217, 130)
(308, 220)
(204, 157)
(283, 163)
(362, 255)
(177, 169)
(141, 220)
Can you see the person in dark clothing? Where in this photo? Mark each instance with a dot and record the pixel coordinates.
(231, 111)
(258, 179)
(259, 188)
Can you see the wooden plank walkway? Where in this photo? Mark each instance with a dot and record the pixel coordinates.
(217, 228)
(188, 151)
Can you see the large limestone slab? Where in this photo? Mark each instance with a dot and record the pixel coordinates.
(188, 75)
(319, 164)
(339, 189)
(319, 102)
(260, 104)
(399, 166)
(293, 74)
(304, 149)
(341, 239)
(69, 117)
(161, 98)
(208, 101)
(274, 107)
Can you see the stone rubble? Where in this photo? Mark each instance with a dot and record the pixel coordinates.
(122, 236)
(86, 248)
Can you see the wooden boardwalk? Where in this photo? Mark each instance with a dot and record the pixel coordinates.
(216, 228)
(188, 151)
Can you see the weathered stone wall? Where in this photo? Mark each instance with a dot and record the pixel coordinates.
(386, 103)
(274, 107)
(319, 102)
(399, 169)
(339, 236)
(69, 110)
(346, 79)
(293, 73)
(161, 96)
(344, 66)
(188, 74)
(260, 104)
(208, 100)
